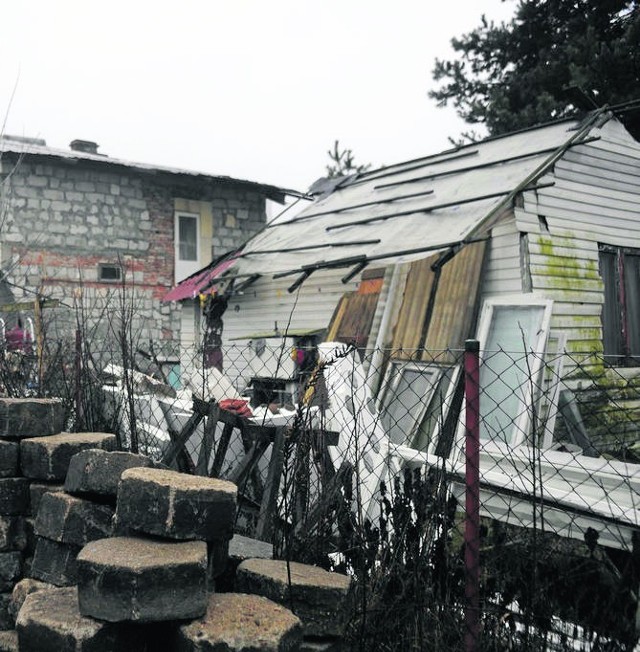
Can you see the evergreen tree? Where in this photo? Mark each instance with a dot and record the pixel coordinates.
(555, 58)
(342, 162)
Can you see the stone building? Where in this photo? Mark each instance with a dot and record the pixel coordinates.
(77, 226)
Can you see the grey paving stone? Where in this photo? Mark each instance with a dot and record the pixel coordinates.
(9, 458)
(68, 519)
(318, 597)
(39, 489)
(14, 496)
(241, 623)
(142, 580)
(55, 562)
(176, 505)
(10, 570)
(96, 473)
(30, 417)
(13, 535)
(9, 641)
(50, 621)
(21, 590)
(47, 458)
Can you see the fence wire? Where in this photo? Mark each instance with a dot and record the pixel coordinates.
(355, 460)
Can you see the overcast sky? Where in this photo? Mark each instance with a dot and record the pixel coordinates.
(255, 89)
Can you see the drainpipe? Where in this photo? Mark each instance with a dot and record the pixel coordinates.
(377, 357)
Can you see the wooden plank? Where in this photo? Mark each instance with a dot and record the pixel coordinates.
(178, 443)
(271, 489)
(202, 467)
(258, 441)
(221, 450)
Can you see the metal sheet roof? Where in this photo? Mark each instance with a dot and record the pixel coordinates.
(403, 212)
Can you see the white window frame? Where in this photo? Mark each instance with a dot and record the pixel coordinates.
(184, 268)
(522, 424)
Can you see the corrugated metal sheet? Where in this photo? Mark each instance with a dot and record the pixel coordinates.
(450, 319)
(455, 304)
(408, 330)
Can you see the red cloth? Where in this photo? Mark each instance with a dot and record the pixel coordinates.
(237, 406)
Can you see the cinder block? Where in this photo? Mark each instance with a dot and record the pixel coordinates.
(50, 621)
(12, 533)
(68, 519)
(9, 458)
(176, 505)
(241, 623)
(47, 458)
(10, 570)
(30, 417)
(55, 562)
(143, 580)
(319, 597)
(14, 496)
(96, 472)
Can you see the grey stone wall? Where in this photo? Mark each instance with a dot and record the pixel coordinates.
(64, 219)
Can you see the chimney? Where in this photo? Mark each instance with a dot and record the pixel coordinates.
(86, 146)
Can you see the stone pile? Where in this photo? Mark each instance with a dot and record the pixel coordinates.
(130, 555)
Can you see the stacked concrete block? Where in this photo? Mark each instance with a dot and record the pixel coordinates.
(49, 621)
(318, 597)
(181, 507)
(64, 523)
(236, 623)
(20, 421)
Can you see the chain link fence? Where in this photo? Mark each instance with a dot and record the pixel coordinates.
(365, 462)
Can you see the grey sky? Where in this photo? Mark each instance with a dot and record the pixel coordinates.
(247, 88)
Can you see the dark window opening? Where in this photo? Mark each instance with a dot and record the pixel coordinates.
(620, 271)
(109, 273)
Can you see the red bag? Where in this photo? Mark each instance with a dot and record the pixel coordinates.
(237, 406)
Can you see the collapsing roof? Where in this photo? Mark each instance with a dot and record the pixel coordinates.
(409, 210)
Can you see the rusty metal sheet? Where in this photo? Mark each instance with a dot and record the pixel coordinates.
(408, 330)
(455, 304)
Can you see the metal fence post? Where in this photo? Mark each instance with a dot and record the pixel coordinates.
(472, 498)
(78, 378)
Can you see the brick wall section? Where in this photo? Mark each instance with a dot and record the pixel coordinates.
(64, 219)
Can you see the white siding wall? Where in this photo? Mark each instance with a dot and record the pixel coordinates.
(267, 303)
(595, 199)
(502, 271)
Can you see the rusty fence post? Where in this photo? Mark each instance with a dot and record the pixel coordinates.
(472, 497)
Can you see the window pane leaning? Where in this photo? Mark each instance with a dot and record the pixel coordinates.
(620, 271)
(187, 237)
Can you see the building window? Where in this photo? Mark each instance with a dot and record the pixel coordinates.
(187, 227)
(620, 271)
(187, 250)
(109, 273)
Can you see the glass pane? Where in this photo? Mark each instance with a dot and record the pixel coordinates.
(406, 402)
(187, 238)
(505, 370)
